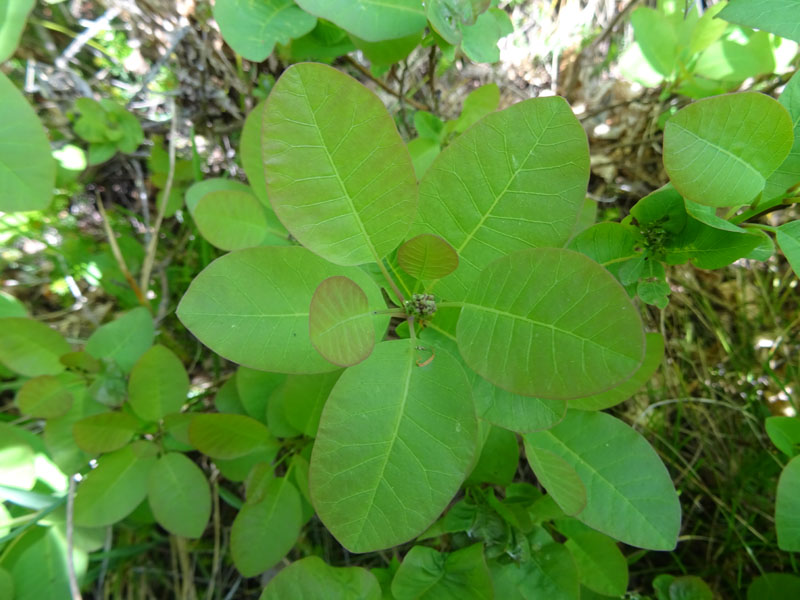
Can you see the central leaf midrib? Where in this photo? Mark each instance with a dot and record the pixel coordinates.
(596, 472)
(395, 432)
(511, 180)
(718, 148)
(345, 192)
(545, 325)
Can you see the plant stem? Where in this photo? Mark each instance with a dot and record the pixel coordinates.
(365, 72)
(398, 294)
(74, 589)
(147, 266)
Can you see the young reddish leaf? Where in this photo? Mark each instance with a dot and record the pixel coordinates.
(44, 397)
(105, 432)
(340, 322)
(427, 256)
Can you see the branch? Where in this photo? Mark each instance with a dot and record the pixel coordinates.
(365, 72)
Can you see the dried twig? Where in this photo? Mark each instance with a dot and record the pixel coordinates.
(150, 255)
(74, 589)
(365, 72)
(115, 250)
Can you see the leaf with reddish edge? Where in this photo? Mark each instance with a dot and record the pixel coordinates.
(340, 322)
(427, 256)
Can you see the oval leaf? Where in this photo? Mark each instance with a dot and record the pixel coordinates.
(27, 171)
(338, 174)
(31, 348)
(264, 293)
(559, 478)
(105, 432)
(124, 339)
(228, 436)
(44, 397)
(630, 496)
(197, 190)
(787, 507)
(310, 578)
(379, 481)
(304, 396)
(178, 493)
(231, 220)
(601, 565)
(427, 256)
(720, 151)
(653, 355)
(551, 323)
(372, 20)
(252, 28)
(158, 384)
(112, 490)
(264, 531)
(340, 322)
(517, 179)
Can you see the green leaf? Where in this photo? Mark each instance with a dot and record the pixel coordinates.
(549, 573)
(311, 579)
(479, 41)
(31, 348)
(254, 389)
(787, 507)
(709, 247)
(58, 433)
(264, 293)
(559, 478)
(788, 238)
(423, 152)
(720, 151)
(304, 396)
(371, 20)
(601, 566)
(13, 14)
(427, 257)
(111, 491)
(6, 580)
(38, 563)
(253, 27)
(104, 432)
(278, 425)
(656, 38)
(231, 220)
(689, 587)
(388, 52)
(739, 54)
(158, 384)
(551, 323)
(446, 17)
(653, 355)
(630, 496)
(228, 436)
(124, 339)
(338, 174)
(378, 482)
(27, 170)
(227, 399)
(17, 457)
(788, 174)
(479, 103)
(515, 180)
(264, 531)
(784, 432)
(340, 322)
(197, 190)
(44, 397)
(498, 459)
(11, 307)
(178, 493)
(775, 586)
(494, 405)
(426, 574)
(776, 16)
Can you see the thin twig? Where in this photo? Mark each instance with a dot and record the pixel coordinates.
(152, 246)
(101, 578)
(155, 69)
(73, 580)
(611, 26)
(212, 578)
(115, 250)
(365, 72)
(87, 34)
